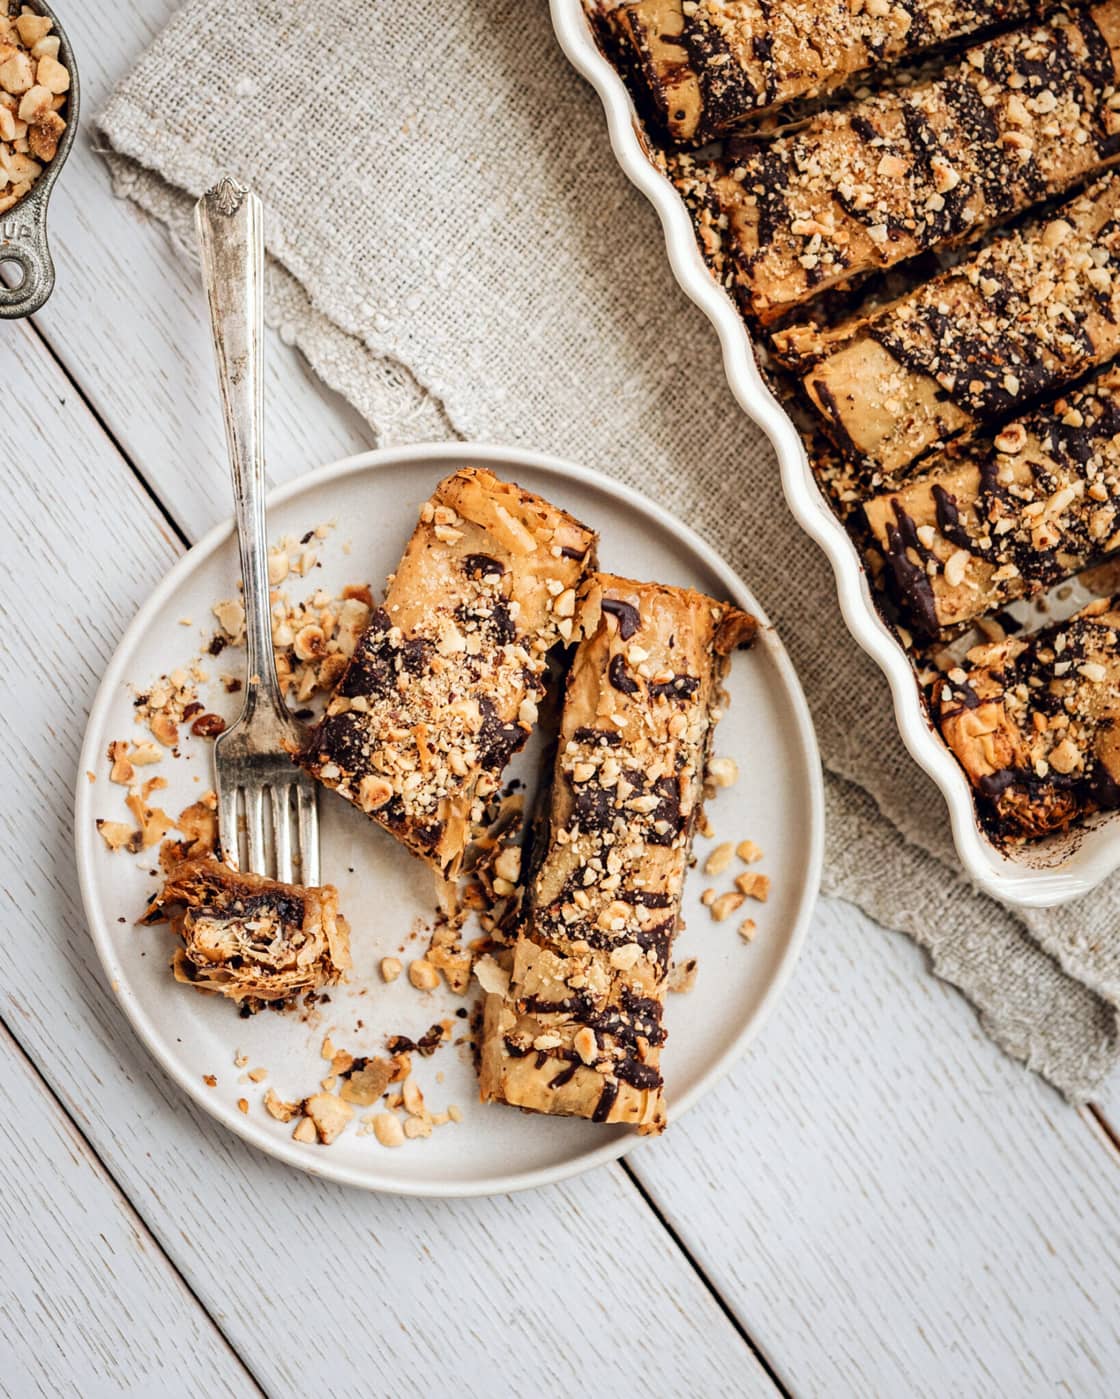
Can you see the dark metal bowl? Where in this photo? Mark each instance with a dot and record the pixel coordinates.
(23, 229)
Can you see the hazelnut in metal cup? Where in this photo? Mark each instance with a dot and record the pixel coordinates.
(38, 116)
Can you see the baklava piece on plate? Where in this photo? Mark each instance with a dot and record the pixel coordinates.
(253, 940)
(577, 1030)
(443, 687)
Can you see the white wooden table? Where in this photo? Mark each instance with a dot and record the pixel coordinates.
(875, 1202)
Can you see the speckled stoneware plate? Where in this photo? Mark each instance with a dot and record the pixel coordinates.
(387, 895)
(1047, 872)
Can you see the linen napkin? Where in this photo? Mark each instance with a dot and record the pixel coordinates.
(455, 250)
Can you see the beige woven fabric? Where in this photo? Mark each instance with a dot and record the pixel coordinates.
(455, 250)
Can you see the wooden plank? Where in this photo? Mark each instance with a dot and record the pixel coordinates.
(889, 1204)
(127, 318)
(89, 1303)
(319, 1289)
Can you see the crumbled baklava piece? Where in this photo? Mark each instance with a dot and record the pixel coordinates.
(572, 1018)
(256, 941)
(700, 67)
(33, 88)
(1035, 723)
(1020, 118)
(443, 686)
(1028, 314)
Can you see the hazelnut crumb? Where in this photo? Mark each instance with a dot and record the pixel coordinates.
(726, 904)
(723, 772)
(754, 886)
(423, 975)
(276, 1107)
(388, 1130)
(719, 859)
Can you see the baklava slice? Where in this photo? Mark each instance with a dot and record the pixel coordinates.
(1026, 315)
(443, 686)
(578, 1031)
(253, 940)
(1006, 518)
(1035, 723)
(1020, 118)
(700, 67)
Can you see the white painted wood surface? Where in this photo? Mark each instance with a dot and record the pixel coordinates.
(89, 1304)
(124, 319)
(884, 1204)
(319, 1289)
(880, 1195)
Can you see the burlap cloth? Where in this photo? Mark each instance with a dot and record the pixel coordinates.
(454, 249)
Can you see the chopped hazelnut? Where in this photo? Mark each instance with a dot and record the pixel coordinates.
(719, 859)
(726, 905)
(754, 886)
(423, 975)
(329, 1114)
(723, 772)
(388, 1130)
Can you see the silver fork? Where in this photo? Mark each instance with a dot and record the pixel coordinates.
(252, 758)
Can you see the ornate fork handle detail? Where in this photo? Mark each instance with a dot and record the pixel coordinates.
(231, 231)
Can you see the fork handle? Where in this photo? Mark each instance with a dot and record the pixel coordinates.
(230, 225)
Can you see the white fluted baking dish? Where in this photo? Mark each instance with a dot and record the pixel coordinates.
(1048, 872)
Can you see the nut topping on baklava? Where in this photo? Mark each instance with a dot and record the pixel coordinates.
(1007, 517)
(574, 1027)
(1026, 315)
(1018, 119)
(443, 686)
(702, 66)
(1035, 723)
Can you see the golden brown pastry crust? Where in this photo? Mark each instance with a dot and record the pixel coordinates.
(443, 686)
(1035, 723)
(1005, 518)
(251, 939)
(1026, 315)
(703, 66)
(874, 182)
(579, 1031)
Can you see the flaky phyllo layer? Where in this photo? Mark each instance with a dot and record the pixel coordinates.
(253, 940)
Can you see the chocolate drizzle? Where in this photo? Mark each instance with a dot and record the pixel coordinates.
(1048, 696)
(911, 581)
(1071, 443)
(620, 678)
(629, 618)
(607, 1100)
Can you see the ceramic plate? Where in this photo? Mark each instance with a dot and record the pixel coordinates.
(372, 501)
